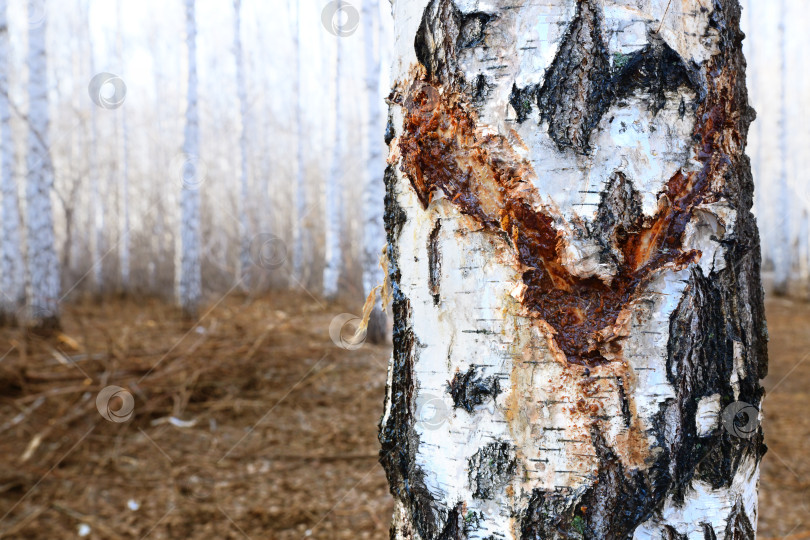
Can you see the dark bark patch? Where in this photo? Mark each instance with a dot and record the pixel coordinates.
(619, 215)
(472, 30)
(573, 88)
(739, 525)
(491, 468)
(434, 263)
(580, 85)
(455, 526)
(435, 40)
(613, 507)
(625, 403)
(670, 533)
(469, 390)
(708, 532)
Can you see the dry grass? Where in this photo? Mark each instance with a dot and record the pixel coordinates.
(277, 437)
(252, 424)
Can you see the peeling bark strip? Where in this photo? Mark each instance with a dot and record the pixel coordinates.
(575, 272)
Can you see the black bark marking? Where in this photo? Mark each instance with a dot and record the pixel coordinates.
(573, 87)
(491, 468)
(624, 402)
(444, 29)
(700, 363)
(670, 533)
(472, 30)
(619, 215)
(739, 525)
(708, 532)
(480, 89)
(435, 263)
(469, 390)
(579, 86)
(454, 528)
(435, 40)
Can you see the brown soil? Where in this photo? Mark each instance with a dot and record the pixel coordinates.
(278, 425)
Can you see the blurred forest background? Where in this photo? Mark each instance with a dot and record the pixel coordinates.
(223, 159)
(289, 119)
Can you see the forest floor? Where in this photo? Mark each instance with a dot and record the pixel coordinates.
(251, 423)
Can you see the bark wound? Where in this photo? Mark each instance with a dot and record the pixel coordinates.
(469, 389)
(481, 175)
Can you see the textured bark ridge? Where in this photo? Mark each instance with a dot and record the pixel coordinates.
(575, 272)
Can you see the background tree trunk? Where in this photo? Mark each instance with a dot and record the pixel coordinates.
(189, 277)
(241, 90)
(43, 264)
(579, 331)
(373, 233)
(12, 273)
(333, 201)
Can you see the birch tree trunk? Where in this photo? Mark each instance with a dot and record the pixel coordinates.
(333, 201)
(784, 246)
(124, 248)
(96, 199)
(575, 273)
(43, 264)
(373, 194)
(12, 272)
(241, 91)
(189, 286)
(300, 228)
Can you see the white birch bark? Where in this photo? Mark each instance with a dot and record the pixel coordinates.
(333, 199)
(189, 286)
(12, 272)
(575, 272)
(373, 193)
(241, 91)
(42, 262)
